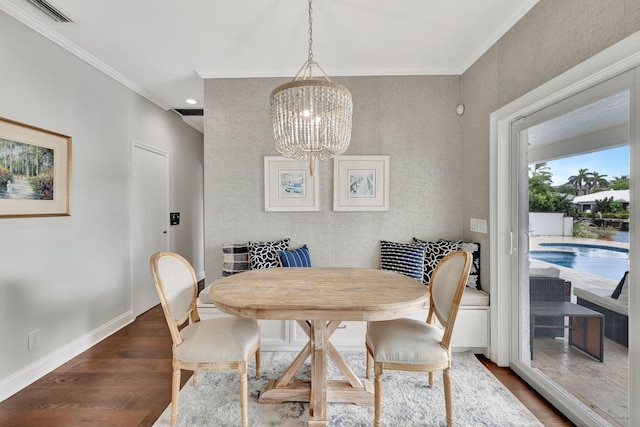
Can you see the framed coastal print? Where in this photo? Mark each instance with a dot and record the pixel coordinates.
(35, 171)
(361, 183)
(289, 186)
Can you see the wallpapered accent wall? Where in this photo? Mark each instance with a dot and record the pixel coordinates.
(411, 119)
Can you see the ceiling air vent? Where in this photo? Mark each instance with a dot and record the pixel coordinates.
(189, 111)
(49, 10)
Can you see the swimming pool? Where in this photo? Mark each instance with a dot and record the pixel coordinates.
(601, 260)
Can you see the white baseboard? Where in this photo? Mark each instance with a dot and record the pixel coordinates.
(16, 382)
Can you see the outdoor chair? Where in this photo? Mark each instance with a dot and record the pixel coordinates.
(549, 288)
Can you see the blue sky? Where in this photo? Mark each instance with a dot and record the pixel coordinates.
(613, 162)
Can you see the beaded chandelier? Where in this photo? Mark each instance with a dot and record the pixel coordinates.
(311, 118)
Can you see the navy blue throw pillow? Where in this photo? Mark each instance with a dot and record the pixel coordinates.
(295, 258)
(403, 258)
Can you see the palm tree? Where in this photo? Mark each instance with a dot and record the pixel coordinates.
(540, 178)
(620, 182)
(595, 180)
(578, 181)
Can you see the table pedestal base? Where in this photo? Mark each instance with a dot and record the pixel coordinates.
(300, 391)
(318, 390)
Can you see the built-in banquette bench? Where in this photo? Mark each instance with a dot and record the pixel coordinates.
(471, 330)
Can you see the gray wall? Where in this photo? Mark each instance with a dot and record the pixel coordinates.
(439, 162)
(69, 276)
(411, 119)
(549, 40)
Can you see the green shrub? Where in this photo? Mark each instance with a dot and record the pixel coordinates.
(605, 232)
(584, 229)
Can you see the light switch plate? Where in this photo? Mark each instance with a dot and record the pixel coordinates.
(478, 225)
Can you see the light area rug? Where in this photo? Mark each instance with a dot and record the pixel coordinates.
(479, 399)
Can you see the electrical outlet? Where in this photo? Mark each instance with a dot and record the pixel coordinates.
(34, 339)
(478, 225)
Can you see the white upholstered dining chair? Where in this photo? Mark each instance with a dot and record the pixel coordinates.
(418, 346)
(222, 343)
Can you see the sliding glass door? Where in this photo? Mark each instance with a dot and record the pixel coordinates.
(570, 197)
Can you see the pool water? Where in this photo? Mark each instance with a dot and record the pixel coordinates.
(600, 260)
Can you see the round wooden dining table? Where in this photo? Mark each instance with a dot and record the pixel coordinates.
(319, 299)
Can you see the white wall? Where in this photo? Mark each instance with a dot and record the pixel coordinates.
(70, 277)
(547, 224)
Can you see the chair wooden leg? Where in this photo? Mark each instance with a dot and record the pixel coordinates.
(377, 367)
(242, 371)
(446, 378)
(175, 389)
(431, 379)
(195, 377)
(258, 372)
(369, 360)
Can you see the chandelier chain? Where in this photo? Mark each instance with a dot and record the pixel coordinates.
(310, 59)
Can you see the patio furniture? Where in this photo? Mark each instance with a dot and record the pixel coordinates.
(549, 288)
(586, 326)
(615, 311)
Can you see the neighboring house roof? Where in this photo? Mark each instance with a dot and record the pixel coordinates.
(592, 197)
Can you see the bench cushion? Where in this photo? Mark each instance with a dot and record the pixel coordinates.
(602, 297)
(204, 298)
(474, 297)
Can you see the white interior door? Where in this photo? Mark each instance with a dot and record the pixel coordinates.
(150, 220)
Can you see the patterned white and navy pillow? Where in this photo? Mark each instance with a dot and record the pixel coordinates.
(235, 258)
(435, 251)
(474, 273)
(403, 258)
(295, 257)
(265, 254)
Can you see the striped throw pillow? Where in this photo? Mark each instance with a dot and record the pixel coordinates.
(235, 258)
(403, 258)
(295, 257)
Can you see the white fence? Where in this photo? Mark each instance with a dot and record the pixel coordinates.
(550, 224)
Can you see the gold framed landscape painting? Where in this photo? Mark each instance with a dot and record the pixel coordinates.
(35, 171)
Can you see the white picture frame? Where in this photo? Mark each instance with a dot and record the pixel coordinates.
(361, 183)
(289, 185)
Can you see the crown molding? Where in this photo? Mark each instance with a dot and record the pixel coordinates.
(36, 25)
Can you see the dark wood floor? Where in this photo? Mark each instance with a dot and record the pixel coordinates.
(125, 380)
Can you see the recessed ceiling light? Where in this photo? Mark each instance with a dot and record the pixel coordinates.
(191, 101)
